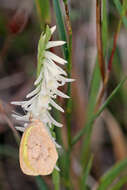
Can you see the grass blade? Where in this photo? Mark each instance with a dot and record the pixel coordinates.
(104, 26)
(120, 183)
(85, 174)
(121, 10)
(110, 176)
(95, 83)
(43, 9)
(61, 26)
(89, 124)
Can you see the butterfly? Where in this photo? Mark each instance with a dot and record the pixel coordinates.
(37, 153)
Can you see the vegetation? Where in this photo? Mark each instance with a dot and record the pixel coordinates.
(93, 138)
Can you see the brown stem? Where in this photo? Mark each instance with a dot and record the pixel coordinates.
(99, 39)
(68, 19)
(101, 94)
(114, 45)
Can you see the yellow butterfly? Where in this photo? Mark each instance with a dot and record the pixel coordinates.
(38, 154)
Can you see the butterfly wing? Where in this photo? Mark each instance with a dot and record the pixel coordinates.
(38, 154)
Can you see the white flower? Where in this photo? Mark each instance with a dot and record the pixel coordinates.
(51, 77)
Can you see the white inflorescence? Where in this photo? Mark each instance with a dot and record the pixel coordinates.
(42, 98)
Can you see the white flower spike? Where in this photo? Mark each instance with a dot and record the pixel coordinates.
(41, 99)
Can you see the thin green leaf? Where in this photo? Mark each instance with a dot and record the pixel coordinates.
(111, 175)
(43, 9)
(41, 183)
(89, 124)
(118, 5)
(104, 26)
(56, 179)
(120, 183)
(95, 84)
(121, 9)
(85, 174)
(61, 26)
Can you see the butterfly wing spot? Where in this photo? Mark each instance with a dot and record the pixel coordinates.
(49, 149)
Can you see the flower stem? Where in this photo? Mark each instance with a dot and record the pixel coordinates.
(56, 179)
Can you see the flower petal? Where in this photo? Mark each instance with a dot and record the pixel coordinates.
(53, 103)
(59, 93)
(22, 129)
(61, 78)
(21, 118)
(50, 55)
(53, 29)
(57, 145)
(18, 103)
(57, 124)
(57, 168)
(54, 44)
(51, 65)
(29, 102)
(34, 92)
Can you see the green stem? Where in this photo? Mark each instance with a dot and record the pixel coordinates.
(69, 101)
(56, 179)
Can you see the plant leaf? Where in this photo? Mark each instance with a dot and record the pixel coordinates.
(43, 9)
(111, 175)
(85, 174)
(120, 183)
(121, 10)
(89, 124)
(61, 26)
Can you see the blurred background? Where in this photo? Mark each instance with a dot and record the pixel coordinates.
(20, 30)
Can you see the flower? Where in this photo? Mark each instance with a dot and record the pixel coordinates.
(40, 101)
